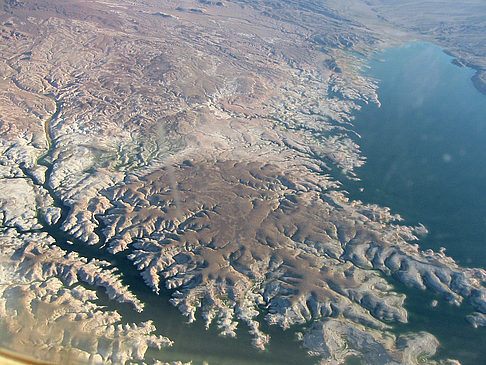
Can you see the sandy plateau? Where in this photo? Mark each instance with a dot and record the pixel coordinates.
(197, 138)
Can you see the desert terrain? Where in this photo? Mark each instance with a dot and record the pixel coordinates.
(196, 140)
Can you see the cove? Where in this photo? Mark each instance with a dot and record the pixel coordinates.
(426, 160)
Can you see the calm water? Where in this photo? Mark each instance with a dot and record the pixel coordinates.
(426, 148)
(426, 151)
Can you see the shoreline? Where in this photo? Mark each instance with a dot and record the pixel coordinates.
(476, 79)
(478, 83)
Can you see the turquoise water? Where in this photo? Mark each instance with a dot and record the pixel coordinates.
(426, 148)
(426, 160)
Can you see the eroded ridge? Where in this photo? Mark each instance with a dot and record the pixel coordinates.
(104, 106)
(132, 87)
(48, 303)
(95, 92)
(234, 238)
(42, 296)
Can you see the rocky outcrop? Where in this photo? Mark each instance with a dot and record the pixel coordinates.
(197, 144)
(479, 81)
(42, 297)
(233, 236)
(337, 339)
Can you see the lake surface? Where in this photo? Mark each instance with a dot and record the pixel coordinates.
(426, 148)
(426, 160)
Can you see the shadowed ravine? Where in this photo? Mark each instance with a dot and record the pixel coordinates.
(193, 342)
